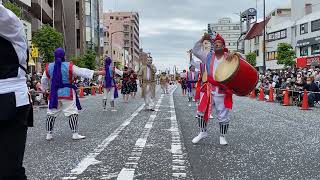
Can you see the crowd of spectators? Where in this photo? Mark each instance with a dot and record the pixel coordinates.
(295, 80)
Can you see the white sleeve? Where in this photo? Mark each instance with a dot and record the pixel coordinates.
(11, 28)
(198, 51)
(119, 72)
(82, 72)
(45, 81)
(196, 64)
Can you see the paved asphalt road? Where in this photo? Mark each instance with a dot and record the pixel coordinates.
(266, 141)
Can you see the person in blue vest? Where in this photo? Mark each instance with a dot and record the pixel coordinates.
(215, 95)
(192, 78)
(110, 85)
(16, 112)
(63, 96)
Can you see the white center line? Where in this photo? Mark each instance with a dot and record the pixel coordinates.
(127, 172)
(90, 159)
(179, 160)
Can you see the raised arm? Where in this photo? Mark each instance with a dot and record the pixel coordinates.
(195, 63)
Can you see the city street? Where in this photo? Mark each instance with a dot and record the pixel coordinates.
(266, 141)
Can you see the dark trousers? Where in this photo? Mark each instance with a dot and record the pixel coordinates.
(13, 135)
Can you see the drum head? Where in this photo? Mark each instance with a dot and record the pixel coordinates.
(226, 69)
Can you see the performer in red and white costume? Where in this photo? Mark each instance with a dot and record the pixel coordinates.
(215, 96)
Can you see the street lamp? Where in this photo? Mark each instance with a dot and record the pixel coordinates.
(111, 41)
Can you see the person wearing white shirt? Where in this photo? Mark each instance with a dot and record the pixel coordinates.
(63, 97)
(221, 97)
(16, 112)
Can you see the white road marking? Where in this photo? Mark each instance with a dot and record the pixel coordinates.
(90, 159)
(178, 157)
(129, 169)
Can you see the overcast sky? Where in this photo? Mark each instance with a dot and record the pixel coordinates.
(168, 28)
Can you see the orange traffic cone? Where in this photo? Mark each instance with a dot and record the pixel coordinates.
(81, 94)
(253, 94)
(305, 105)
(93, 91)
(271, 99)
(261, 95)
(286, 98)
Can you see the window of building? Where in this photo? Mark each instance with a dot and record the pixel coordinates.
(225, 28)
(277, 35)
(88, 21)
(78, 38)
(304, 51)
(315, 49)
(257, 52)
(88, 34)
(271, 36)
(315, 25)
(111, 17)
(77, 10)
(88, 8)
(256, 40)
(236, 28)
(114, 52)
(304, 28)
(117, 18)
(126, 27)
(283, 33)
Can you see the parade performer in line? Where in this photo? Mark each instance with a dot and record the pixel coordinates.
(164, 82)
(216, 96)
(133, 83)
(147, 81)
(63, 96)
(110, 85)
(201, 81)
(192, 78)
(125, 88)
(183, 81)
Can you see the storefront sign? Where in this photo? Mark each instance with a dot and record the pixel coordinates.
(308, 42)
(313, 60)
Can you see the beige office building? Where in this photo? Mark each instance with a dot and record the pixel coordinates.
(123, 28)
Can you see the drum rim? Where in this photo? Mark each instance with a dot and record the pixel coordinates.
(230, 77)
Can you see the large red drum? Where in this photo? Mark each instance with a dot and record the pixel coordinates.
(238, 75)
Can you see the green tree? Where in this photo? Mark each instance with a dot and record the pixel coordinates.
(47, 39)
(286, 54)
(12, 7)
(252, 59)
(88, 60)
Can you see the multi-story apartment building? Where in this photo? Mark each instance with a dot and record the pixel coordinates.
(230, 31)
(123, 30)
(78, 21)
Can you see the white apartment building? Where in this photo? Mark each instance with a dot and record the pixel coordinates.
(228, 30)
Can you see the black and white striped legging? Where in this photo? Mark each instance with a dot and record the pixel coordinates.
(50, 123)
(202, 123)
(224, 128)
(73, 122)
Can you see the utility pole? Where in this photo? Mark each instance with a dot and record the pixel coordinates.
(264, 37)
